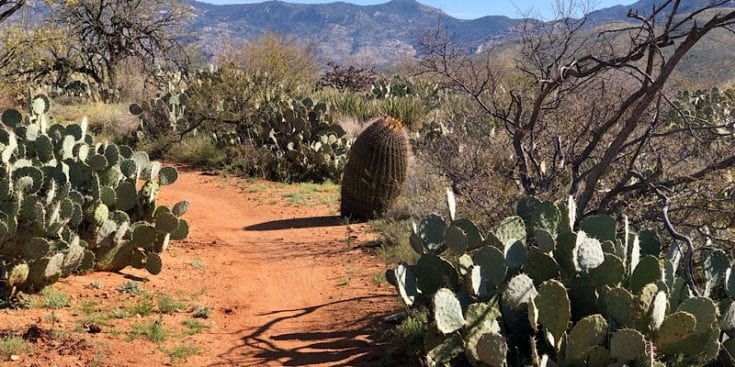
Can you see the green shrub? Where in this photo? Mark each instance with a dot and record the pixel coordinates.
(199, 150)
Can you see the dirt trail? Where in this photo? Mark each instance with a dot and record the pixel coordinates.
(285, 285)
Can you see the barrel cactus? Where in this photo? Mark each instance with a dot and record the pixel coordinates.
(376, 170)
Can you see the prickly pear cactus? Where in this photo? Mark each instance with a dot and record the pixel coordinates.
(68, 204)
(376, 170)
(547, 289)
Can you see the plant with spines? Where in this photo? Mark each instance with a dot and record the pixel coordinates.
(547, 289)
(166, 112)
(376, 170)
(306, 143)
(68, 204)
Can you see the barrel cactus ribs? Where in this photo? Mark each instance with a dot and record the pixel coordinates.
(376, 170)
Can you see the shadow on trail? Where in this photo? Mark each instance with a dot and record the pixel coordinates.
(297, 223)
(334, 348)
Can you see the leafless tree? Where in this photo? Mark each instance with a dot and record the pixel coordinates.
(9, 7)
(105, 33)
(587, 110)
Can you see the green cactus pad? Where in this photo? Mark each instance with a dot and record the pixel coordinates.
(546, 216)
(456, 239)
(492, 262)
(597, 356)
(406, 283)
(519, 290)
(544, 240)
(161, 243)
(432, 273)
(446, 351)
(526, 206)
(587, 253)
(40, 104)
(492, 350)
(447, 311)
(704, 310)
(600, 227)
(727, 324)
(167, 176)
(586, 333)
(18, 275)
(658, 310)
(431, 231)
(676, 327)
(97, 162)
(649, 243)
(34, 173)
(730, 282)
(716, 264)
(180, 208)
(44, 148)
(127, 196)
(541, 266)
(647, 271)
(610, 273)
(515, 254)
(474, 238)
(36, 248)
(181, 232)
(153, 264)
(107, 196)
(627, 345)
(564, 252)
(554, 308)
(166, 223)
(137, 259)
(510, 230)
(129, 168)
(143, 235)
(12, 118)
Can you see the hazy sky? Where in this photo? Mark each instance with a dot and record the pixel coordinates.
(467, 9)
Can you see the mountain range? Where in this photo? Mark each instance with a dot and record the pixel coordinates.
(374, 34)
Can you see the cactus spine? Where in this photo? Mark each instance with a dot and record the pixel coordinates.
(376, 170)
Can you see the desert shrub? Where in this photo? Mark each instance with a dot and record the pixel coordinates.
(72, 205)
(198, 150)
(350, 78)
(281, 60)
(544, 285)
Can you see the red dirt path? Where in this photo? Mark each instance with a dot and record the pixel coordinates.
(284, 286)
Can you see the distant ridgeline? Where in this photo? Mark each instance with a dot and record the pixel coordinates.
(387, 33)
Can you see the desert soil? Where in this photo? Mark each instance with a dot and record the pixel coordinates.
(287, 285)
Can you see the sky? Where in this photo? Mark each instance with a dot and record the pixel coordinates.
(468, 9)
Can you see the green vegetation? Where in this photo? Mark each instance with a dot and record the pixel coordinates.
(72, 205)
(53, 298)
(181, 353)
(535, 284)
(198, 264)
(153, 331)
(168, 304)
(194, 326)
(376, 170)
(13, 345)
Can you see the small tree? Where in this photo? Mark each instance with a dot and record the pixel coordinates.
(105, 33)
(289, 62)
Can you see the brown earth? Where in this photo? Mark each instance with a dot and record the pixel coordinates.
(287, 285)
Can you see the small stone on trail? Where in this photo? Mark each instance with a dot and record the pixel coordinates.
(15, 358)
